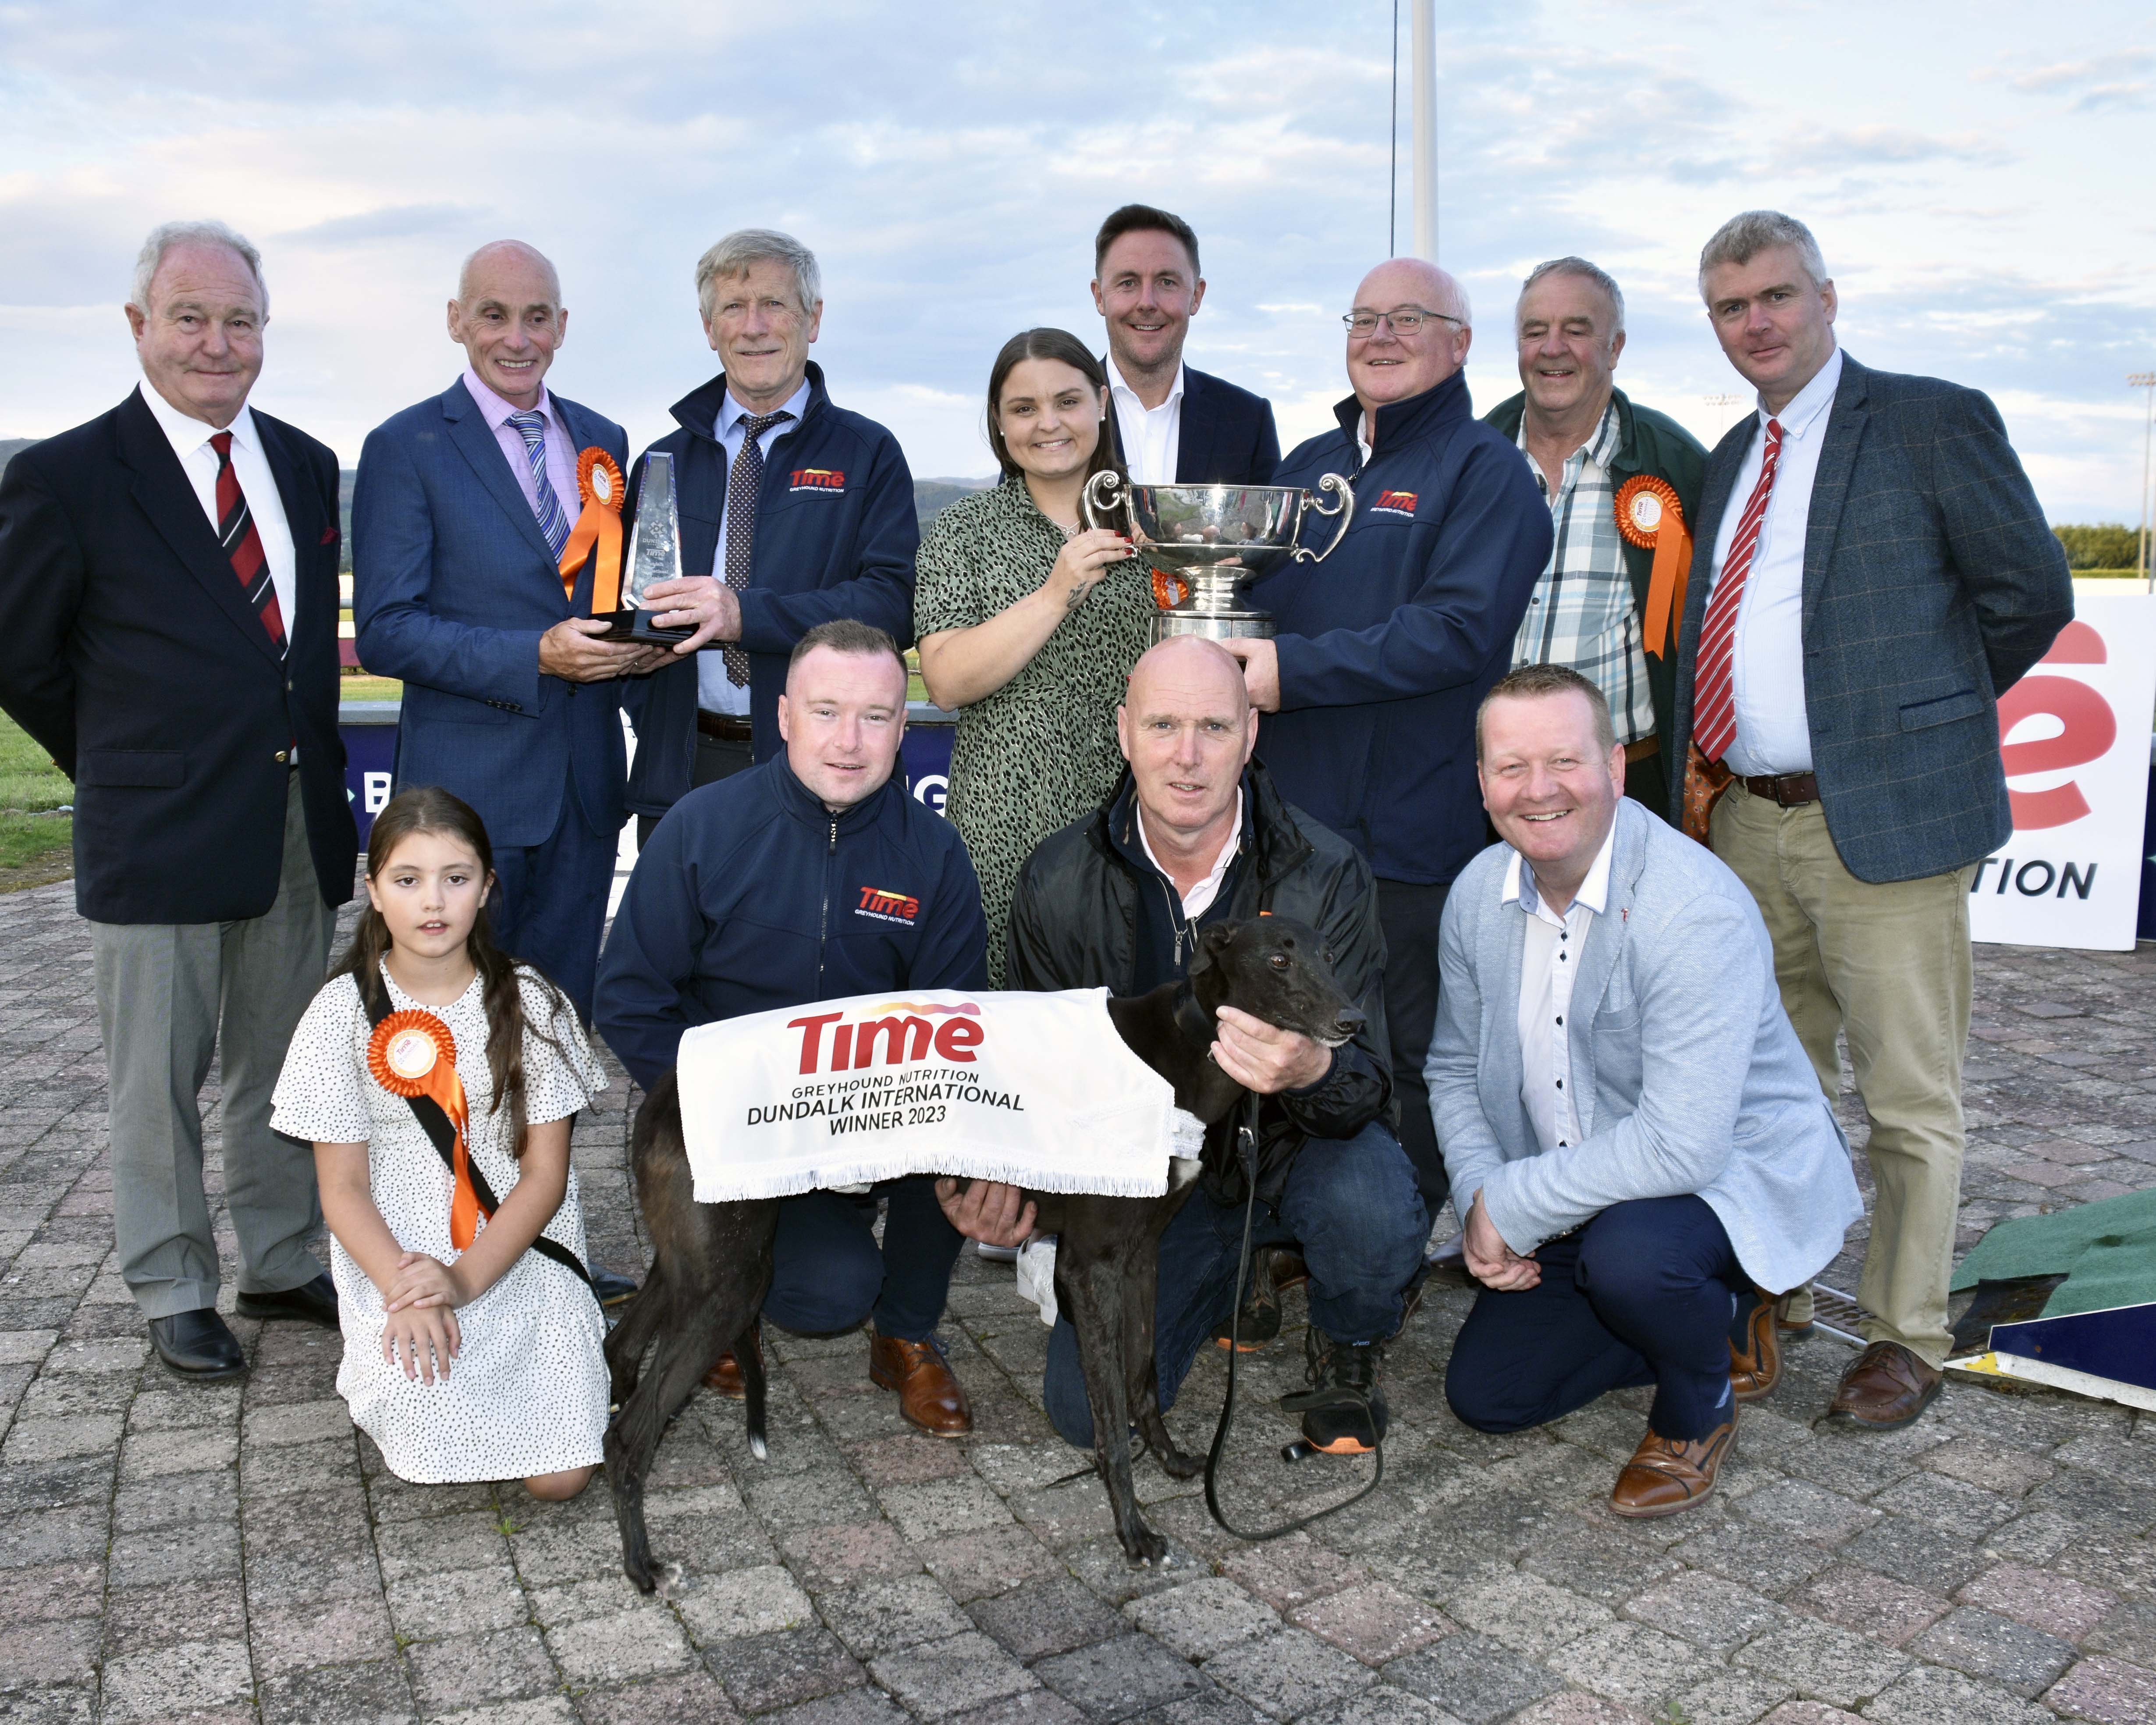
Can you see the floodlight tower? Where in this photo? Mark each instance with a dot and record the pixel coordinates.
(2145, 381)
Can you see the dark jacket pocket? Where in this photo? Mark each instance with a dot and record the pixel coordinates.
(1918, 714)
(162, 769)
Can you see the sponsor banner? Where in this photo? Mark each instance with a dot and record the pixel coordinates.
(1035, 1089)
(2075, 740)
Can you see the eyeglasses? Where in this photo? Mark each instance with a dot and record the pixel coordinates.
(1405, 321)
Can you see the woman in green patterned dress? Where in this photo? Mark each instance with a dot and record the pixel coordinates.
(1030, 621)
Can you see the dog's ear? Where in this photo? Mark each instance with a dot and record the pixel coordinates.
(1211, 944)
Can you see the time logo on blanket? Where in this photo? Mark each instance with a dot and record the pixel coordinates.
(1036, 1089)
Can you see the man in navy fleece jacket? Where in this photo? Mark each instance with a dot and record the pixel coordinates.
(811, 877)
(1386, 649)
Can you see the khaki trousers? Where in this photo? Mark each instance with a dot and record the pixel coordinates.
(168, 996)
(1888, 967)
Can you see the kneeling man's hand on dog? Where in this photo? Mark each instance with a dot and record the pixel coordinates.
(989, 1211)
(1263, 1058)
(1490, 1261)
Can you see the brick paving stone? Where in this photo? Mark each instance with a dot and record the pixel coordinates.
(50, 1591)
(39, 1653)
(975, 1566)
(677, 1699)
(1873, 1604)
(185, 1676)
(2055, 1603)
(1631, 1663)
(1382, 1704)
(957, 1675)
(882, 1616)
(1202, 1618)
(927, 1512)
(1046, 1617)
(379, 1694)
(192, 1611)
(2106, 1690)
(1116, 1679)
(1926, 1695)
(1806, 1712)
(1912, 1552)
(1823, 1664)
(1031, 1706)
(1709, 1613)
(1375, 1622)
(1472, 1678)
(2129, 1632)
(762, 1672)
(1526, 1614)
(507, 1665)
(1291, 1572)
(1575, 1708)
(1766, 1562)
(1985, 1644)
(2011, 1473)
(1732, 1698)
(293, 1638)
(1286, 1673)
(745, 1602)
(611, 1649)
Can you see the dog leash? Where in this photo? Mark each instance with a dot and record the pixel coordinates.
(1247, 1140)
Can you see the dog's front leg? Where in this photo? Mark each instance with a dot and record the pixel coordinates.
(1091, 1293)
(1141, 1289)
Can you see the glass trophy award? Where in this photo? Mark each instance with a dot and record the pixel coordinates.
(655, 555)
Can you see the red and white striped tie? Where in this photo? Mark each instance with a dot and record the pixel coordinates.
(1714, 684)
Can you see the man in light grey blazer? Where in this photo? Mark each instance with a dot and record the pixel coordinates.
(1644, 1153)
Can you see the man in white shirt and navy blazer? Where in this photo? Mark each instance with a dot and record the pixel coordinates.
(168, 610)
(1171, 425)
(1874, 573)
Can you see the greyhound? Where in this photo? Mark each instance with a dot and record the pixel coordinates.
(712, 1263)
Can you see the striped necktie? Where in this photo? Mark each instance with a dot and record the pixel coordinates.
(1714, 700)
(531, 426)
(242, 541)
(744, 485)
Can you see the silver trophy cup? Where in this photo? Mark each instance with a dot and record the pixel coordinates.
(1203, 541)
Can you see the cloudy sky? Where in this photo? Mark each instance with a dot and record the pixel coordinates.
(1977, 172)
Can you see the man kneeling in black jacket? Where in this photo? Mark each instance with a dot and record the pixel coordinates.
(1196, 834)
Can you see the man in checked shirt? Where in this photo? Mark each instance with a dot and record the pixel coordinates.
(1583, 439)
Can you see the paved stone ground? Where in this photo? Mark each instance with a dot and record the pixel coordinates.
(236, 1552)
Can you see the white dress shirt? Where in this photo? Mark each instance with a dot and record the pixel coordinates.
(1199, 900)
(190, 440)
(1549, 962)
(1773, 734)
(715, 692)
(1152, 437)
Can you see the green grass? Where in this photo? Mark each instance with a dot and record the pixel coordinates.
(36, 844)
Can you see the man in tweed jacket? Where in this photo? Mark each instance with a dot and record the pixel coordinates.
(1877, 572)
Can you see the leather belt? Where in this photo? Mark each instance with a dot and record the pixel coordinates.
(725, 727)
(1644, 749)
(1789, 789)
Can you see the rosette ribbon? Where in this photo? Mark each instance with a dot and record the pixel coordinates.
(413, 1054)
(1649, 516)
(600, 486)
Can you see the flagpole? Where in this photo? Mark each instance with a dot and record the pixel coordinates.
(1422, 52)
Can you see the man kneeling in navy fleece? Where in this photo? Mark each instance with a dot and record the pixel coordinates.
(755, 892)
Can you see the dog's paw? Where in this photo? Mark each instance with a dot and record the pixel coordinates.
(668, 1579)
(1179, 1464)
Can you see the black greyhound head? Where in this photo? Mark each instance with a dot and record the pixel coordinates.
(1277, 970)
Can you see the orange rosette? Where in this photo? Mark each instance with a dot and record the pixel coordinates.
(602, 491)
(1649, 516)
(413, 1054)
(1169, 591)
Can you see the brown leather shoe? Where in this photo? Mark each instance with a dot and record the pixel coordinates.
(929, 1395)
(1665, 1476)
(1887, 1387)
(726, 1376)
(1757, 1367)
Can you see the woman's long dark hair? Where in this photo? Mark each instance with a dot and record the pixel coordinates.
(1063, 347)
(431, 810)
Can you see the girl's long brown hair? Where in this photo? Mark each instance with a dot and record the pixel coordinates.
(429, 808)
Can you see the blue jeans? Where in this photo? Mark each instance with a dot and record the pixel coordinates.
(828, 1272)
(1649, 1293)
(1352, 1207)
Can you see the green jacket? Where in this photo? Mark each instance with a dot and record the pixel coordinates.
(1647, 442)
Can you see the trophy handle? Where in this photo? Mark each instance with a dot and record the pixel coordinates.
(1098, 502)
(1345, 509)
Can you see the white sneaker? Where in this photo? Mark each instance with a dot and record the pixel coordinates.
(995, 1254)
(1036, 1275)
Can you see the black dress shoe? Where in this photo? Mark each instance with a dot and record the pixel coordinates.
(311, 1302)
(612, 1289)
(198, 1344)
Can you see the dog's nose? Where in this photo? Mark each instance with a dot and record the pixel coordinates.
(1350, 1022)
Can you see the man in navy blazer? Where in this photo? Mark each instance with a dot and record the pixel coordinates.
(1171, 425)
(168, 610)
(1873, 572)
(794, 512)
(510, 698)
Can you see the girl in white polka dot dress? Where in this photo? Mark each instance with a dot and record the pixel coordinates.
(473, 1344)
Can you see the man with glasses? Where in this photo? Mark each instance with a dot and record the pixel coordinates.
(1370, 688)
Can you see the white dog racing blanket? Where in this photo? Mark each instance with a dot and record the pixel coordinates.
(1034, 1089)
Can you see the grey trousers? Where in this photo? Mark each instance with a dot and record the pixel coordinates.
(168, 996)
